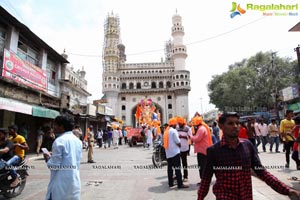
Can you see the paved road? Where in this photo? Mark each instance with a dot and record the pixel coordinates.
(127, 173)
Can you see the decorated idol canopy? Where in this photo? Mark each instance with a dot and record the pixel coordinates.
(146, 113)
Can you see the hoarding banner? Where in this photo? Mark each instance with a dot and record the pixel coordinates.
(23, 72)
(290, 93)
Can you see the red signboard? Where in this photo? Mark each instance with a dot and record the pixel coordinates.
(23, 72)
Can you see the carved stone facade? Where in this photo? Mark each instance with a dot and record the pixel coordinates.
(167, 82)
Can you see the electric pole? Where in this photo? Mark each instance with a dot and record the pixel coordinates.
(275, 83)
(297, 50)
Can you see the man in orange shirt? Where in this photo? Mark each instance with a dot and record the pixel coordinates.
(20, 146)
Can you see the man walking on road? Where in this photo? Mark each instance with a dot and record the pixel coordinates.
(263, 133)
(64, 162)
(172, 146)
(91, 141)
(286, 128)
(202, 140)
(274, 135)
(231, 160)
(184, 133)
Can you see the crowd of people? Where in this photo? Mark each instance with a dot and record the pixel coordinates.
(259, 133)
(228, 149)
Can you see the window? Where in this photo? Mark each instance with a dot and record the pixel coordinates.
(161, 85)
(123, 86)
(153, 85)
(138, 85)
(168, 84)
(123, 98)
(27, 53)
(123, 107)
(133, 99)
(158, 98)
(2, 41)
(170, 116)
(123, 118)
(130, 85)
(51, 72)
(169, 97)
(169, 106)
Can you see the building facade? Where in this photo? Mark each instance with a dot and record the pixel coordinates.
(36, 82)
(29, 79)
(167, 83)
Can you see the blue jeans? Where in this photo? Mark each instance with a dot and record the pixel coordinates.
(109, 141)
(272, 141)
(12, 162)
(2, 164)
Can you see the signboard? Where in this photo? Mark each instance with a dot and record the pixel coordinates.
(101, 109)
(91, 110)
(294, 107)
(23, 72)
(290, 93)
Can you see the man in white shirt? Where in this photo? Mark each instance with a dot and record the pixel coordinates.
(64, 162)
(172, 147)
(257, 133)
(184, 132)
(274, 135)
(116, 137)
(263, 132)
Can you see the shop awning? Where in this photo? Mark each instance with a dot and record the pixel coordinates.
(38, 111)
(15, 106)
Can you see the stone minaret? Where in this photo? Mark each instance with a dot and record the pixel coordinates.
(111, 78)
(181, 77)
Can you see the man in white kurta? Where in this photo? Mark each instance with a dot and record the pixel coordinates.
(64, 165)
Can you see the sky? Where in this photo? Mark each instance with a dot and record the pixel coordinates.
(213, 39)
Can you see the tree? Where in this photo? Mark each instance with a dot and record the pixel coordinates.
(252, 82)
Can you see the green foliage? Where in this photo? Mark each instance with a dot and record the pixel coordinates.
(252, 82)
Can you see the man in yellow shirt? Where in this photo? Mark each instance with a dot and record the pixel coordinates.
(20, 146)
(286, 127)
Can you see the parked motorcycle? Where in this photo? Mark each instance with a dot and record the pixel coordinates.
(159, 154)
(5, 180)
